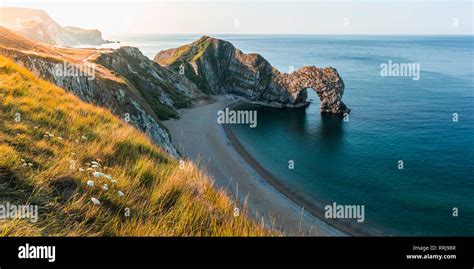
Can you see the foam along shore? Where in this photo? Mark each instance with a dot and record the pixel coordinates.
(198, 136)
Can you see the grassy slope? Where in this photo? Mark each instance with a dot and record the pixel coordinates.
(163, 198)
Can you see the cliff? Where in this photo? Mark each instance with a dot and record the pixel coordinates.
(217, 67)
(37, 25)
(124, 81)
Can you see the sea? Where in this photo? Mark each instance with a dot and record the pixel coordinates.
(406, 150)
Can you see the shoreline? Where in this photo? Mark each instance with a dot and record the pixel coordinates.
(199, 137)
(275, 182)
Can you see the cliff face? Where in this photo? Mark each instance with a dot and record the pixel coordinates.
(217, 67)
(164, 90)
(37, 25)
(115, 95)
(79, 36)
(126, 82)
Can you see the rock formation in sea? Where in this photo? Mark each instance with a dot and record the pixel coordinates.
(217, 67)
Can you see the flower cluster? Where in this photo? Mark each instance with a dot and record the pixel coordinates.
(97, 178)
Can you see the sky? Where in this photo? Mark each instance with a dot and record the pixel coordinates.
(370, 17)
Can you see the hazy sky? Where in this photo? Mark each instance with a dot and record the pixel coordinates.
(257, 17)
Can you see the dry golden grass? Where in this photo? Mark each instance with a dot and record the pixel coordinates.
(57, 135)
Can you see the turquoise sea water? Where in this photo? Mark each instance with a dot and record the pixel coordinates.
(392, 119)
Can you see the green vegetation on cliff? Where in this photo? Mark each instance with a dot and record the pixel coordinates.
(196, 54)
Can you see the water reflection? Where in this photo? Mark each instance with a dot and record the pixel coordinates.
(331, 126)
(306, 121)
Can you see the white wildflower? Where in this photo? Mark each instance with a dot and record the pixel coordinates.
(95, 201)
(105, 187)
(90, 183)
(120, 193)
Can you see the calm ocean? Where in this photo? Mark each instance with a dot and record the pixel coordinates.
(356, 162)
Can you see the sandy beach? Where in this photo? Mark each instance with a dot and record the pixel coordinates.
(199, 137)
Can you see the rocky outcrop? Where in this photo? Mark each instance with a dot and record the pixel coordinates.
(217, 67)
(37, 25)
(163, 89)
(127, 83)
(326, 82)
(79, 36)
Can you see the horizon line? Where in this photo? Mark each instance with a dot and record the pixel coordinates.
(289, 34)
